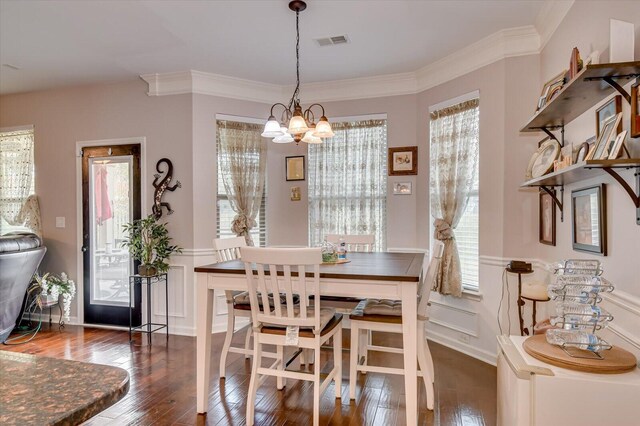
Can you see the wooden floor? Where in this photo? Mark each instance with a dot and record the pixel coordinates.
(163, 385)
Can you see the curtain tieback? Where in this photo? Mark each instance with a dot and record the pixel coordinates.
(443, 230)
(242, 224)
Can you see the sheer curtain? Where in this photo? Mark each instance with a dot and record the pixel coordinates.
(16, 177)
(348, 182)
(454, 146)
(242, 157)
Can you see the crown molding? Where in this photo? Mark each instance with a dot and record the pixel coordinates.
(503, 44)
(192, 81)
(549, 18)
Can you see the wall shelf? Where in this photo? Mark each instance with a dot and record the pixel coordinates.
(586, 170)
(590, 86)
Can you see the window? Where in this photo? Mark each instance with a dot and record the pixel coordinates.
(454, 128)
(348, 182)
(247, 136)
(17, 180)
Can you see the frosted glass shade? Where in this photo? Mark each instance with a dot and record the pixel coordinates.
(310, 138)
(285, 138)
(297, 125)
(272, 129)
(323, 129)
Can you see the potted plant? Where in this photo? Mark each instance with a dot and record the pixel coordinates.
(46, 290)
(150, 244)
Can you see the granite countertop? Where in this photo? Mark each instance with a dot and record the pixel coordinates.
(36, 390)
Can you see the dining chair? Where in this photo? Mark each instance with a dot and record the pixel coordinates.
(237, 301)
(355, 243)
(289, 272)
(386, 316)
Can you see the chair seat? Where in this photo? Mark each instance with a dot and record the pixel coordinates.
(378, 310)
(331, 323)
(241, 300)
(325, 316)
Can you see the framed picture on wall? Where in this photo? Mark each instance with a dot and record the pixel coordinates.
(589, 219)
(403, 161)
(294, 168)
(547, 220)
(402, 188)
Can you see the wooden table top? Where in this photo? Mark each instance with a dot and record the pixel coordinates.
(36, 390)
(363, 266)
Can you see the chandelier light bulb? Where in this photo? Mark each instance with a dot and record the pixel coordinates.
(310, 138)
(297, 124)
(272, 128)
(323, 129)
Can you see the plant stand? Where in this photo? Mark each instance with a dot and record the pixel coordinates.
(148, 327)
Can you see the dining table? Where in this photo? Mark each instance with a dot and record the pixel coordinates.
(378, 275)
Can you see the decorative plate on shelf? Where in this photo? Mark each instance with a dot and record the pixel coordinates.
(542, 160)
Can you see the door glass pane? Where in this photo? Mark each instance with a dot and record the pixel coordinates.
(110, 186)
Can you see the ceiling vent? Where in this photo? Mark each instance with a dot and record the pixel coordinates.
(329, 41)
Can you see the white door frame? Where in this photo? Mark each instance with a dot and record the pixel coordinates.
(142, 141)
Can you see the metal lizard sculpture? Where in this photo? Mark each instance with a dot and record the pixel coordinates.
(162, 185)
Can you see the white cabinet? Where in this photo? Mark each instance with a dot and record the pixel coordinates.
(533, 393)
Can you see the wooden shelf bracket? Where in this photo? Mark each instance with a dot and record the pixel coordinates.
(634, 195)
(558, 202)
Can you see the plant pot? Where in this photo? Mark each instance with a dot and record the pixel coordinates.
(147, 270)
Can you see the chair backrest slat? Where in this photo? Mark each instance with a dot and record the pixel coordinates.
(428, 277)
(354, 243)
(286, 267)
(228, 248)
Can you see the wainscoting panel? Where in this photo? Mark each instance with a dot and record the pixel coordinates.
(176, 277)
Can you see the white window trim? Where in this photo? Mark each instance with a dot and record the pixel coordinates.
(457, 100)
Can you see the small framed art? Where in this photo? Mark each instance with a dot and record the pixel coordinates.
(547, 221)
(608, 110)
(403, 161)
(606, 138)
(402, 188)
(589, 219)
(294, 168)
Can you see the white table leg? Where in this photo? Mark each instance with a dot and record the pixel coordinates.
(409, 340)
(204, 318)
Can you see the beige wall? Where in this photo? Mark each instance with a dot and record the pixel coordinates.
(65, 116)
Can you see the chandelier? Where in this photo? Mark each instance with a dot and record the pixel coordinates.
(296, 125)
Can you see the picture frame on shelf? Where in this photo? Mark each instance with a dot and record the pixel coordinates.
(403, 161)
(635, 111)
(617, 145)
(582, 152)
(547, 219)
(402, 188)
(611, 108)
(550, 88)
(589, 219)
(294, 168)
(607, 135)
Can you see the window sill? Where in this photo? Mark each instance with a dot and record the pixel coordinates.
(470, 294)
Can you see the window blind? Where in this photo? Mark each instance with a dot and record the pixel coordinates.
(17, 176)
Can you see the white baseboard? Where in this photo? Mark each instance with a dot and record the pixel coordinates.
(480, 354)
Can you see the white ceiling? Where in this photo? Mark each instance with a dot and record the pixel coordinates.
(57, 43)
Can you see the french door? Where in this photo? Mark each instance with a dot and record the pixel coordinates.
(110, 199)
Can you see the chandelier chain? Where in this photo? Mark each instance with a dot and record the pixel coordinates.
(295, 96)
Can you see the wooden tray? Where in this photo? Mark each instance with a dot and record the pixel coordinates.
(615, 361)
(337, 262)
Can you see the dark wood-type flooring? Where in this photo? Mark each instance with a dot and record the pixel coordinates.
(163, 385)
